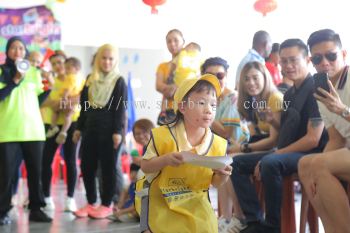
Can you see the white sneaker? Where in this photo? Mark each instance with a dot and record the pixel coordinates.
(222, 223)
(70, 205)
(25, 203)
(52, 132)
(235, 225)
(50, 205)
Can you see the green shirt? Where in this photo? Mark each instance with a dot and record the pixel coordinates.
(20, 118)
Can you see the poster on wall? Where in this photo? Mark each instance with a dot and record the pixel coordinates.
(36, 25)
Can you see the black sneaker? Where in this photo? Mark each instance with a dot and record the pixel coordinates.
(39, 216)
(251, 228)
(5, 219)
(170, 115)
(161, 119)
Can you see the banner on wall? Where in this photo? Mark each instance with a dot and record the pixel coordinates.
(36, 25)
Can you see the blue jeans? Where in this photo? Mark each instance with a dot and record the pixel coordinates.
(273, 167)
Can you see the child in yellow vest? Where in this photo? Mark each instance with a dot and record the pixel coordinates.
(72, 86)
(178, 193)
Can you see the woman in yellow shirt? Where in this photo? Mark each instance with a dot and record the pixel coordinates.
(175, 41)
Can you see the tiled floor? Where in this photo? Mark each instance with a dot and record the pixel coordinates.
(67, 223)
(62, 222)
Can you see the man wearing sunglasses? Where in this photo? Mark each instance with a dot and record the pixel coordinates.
(320, 173)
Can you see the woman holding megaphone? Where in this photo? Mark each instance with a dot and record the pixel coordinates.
(21, 129)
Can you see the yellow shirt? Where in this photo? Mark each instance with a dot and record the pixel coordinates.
(47, 112)
(178, 196)
(188, 65)
(72, 83)
(275, 103)
(180, 134)
(164, 70)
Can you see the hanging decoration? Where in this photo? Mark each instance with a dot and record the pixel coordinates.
(265, 6)
(153, 4)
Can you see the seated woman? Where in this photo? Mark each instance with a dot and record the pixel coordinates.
(259, 103)
(227, 124)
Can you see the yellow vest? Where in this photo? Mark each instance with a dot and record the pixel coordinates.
(178, 196)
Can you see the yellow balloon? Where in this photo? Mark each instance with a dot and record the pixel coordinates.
(61, 1)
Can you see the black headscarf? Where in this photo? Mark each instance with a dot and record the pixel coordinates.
(9, 68)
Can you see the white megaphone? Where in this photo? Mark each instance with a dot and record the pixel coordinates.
(22, 65)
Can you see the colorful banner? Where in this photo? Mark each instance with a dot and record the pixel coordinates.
(36, 25)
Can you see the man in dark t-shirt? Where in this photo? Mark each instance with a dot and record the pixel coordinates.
(301, 131)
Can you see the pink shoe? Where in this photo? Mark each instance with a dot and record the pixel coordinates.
(84, 211)
(101, 212)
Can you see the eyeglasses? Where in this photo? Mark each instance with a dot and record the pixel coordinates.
(317, 59)
(219, 75)
(291, 60)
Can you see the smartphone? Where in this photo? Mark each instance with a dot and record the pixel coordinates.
(321, 80)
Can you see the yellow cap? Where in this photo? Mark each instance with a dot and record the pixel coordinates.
(187, 85)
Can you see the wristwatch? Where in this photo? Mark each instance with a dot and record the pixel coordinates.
(245, 148)
(346, 112)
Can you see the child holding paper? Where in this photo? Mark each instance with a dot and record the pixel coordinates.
(178, 192)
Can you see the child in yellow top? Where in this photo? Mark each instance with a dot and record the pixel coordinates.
(72, 86)
(178, 192)
(185, 65)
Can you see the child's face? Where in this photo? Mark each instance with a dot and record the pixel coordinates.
(70, 69)
(200, 108)
(141, 136)
(35, 59)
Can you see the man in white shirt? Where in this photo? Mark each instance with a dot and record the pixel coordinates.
(319, 173)
(261, 49)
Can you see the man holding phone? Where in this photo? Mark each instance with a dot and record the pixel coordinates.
(319, 173)
(296, 139)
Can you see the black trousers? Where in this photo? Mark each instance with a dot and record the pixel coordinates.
(69, 149)
(97, 149)
(119, 175)
(32, 155)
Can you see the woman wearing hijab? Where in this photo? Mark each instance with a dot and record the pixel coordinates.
(22, 130)
(101, 123)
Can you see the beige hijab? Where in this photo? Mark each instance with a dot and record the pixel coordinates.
(101, 85)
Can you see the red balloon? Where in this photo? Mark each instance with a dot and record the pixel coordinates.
(265, 6)
(153, 4)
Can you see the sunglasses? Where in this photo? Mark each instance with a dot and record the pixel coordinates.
(219, 75)
(317, 59)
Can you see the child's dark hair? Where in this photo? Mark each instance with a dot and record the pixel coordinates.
(74, 62)
(134, 167)
(200, 86)
(143, 124)
(323, 36)
(295, 43)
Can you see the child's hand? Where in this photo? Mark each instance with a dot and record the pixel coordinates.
(117, 138)
(174, 159)
(226, 171)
